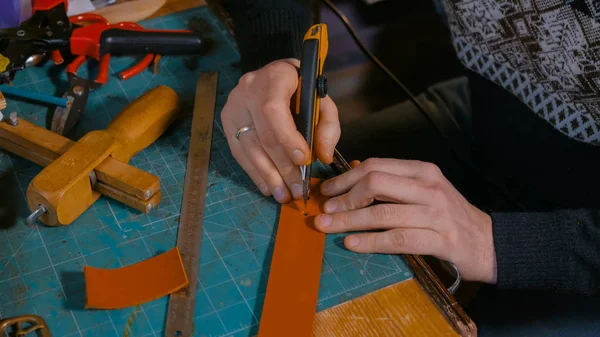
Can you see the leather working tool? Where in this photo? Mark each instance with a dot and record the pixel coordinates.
(51, 32)
(312, 86)
(76, 174)
(180, 314)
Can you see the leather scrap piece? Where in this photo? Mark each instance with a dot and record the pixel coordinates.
(134, 284)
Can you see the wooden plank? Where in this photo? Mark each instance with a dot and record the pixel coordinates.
(438, 293)
(172, 6)
(144, 206)
(127, 179)
(403, 309)
(131, 10)
(167, 7)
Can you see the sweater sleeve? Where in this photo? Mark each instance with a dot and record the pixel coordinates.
(268, 30)
(556, 251)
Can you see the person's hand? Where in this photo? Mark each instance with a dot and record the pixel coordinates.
(272, 152)
(420, 213)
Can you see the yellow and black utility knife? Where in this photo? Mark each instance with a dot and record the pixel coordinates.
(312, 86)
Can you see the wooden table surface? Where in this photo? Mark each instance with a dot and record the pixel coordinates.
(172, 6)
(403, 309)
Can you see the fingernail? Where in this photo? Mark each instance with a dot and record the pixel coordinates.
(297, 191)
(330, 205)
(297, 156)
(353, 241)
(279, 194)
(325, 220)
(327, 186)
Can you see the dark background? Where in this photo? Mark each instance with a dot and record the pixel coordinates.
(408, 36)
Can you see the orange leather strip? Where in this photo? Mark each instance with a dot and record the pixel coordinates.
(135, 284)
(293, 285)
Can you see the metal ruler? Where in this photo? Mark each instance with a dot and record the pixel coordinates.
(180, 314)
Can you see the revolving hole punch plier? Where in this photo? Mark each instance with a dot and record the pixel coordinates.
(49, 32)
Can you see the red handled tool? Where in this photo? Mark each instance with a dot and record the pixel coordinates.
(52, 33)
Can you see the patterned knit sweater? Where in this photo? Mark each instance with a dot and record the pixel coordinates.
(545, 52)
(534, 73)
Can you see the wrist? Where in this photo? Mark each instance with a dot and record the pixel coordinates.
(492, 269)
(489, 270)
(290, 60)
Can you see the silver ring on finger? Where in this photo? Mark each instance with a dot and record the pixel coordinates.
(243, 129)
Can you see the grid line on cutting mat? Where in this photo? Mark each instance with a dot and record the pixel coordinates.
(45, 275)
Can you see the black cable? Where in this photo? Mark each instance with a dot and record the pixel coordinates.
(377, 61)
(414, 100)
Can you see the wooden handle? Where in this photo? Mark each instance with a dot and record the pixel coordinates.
(143, 121)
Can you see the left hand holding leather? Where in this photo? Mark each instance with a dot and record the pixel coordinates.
(422, 213)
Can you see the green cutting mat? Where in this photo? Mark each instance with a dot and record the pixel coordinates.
(41, 268)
